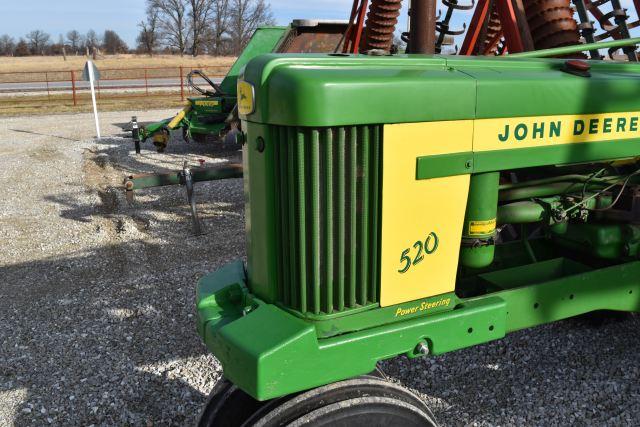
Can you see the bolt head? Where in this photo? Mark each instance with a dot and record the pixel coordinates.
(422, 348)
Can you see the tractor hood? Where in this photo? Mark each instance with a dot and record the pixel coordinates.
(337, 90)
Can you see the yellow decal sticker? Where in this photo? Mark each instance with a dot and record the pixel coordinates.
(424, 305)
(207, 103)
(422, 220)
(246, 101)
(482, 228)
(545, 131)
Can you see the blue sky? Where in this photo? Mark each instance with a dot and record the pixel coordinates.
(59, 16)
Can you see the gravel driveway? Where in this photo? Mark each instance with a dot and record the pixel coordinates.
(97, 313)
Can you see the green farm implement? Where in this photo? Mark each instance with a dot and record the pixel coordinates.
(211, 117)
(214, 116)
(416, 204)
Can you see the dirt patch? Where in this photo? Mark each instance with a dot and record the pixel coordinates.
(45, 154)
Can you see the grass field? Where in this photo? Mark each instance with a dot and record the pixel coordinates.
(57, 63)
(43, 105)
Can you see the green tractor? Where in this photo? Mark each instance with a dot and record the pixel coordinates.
(212, 117)
(416, 204)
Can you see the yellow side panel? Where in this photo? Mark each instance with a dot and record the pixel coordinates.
(421, 219)
(545, 131)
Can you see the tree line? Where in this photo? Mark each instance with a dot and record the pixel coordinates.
(38, 42)
(194, 27)
(184, 27)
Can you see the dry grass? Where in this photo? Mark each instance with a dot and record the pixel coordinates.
(42, 105)
(57, 63)
(52, 69)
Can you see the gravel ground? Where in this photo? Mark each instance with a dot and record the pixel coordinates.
(97, 313)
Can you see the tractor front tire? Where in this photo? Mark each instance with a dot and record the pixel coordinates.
(367, 401)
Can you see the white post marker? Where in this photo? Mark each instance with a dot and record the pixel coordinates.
(92, 74)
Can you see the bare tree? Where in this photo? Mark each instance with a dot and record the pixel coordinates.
(91, 40)
(22, 48)
(148, 37)
(38, 40)
(7, 45)
(199, 15)
(74, 39)
(246, 17)
(172, 22)
(220, 25)
(58, 48)
(113, 44)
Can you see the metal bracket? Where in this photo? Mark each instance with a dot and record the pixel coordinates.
(187, 177)
(444, 29)
(135, 133)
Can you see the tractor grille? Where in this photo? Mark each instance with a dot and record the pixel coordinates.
(327, 196)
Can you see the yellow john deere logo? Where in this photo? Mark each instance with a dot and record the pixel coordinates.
(246, 100)
(499, 134)
(576, 127)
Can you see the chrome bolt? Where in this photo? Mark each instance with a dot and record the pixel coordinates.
(422, 348)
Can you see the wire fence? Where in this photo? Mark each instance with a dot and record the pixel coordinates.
(67, 91)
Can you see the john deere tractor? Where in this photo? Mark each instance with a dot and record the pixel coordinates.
(413, 205)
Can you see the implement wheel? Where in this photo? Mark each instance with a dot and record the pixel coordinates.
(366, 401)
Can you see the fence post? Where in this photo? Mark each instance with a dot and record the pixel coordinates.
(46, 77)
(146, 82)
(181, 83)
(73, 88)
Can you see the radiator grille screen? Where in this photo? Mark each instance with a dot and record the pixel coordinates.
(327, 205)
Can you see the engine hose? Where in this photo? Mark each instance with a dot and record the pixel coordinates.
(521, 213)
(381, 23)
(613, 203)
(205, 92)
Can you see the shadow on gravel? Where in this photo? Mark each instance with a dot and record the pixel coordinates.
(106, 334)
(149, 160)
(114, 159)
(104, 329)
(44, 134)
(103, 333)
(568, 372)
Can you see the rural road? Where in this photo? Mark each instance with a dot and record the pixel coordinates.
(8, 89)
